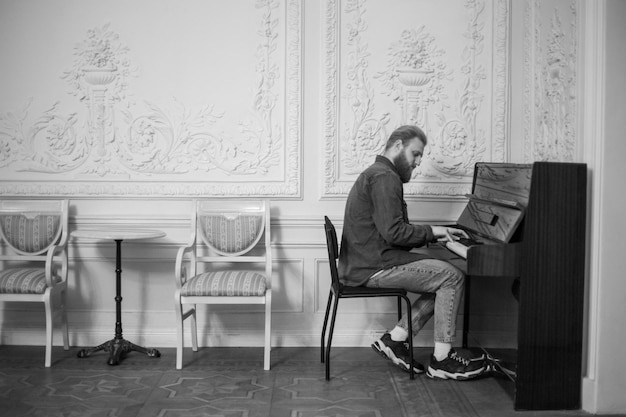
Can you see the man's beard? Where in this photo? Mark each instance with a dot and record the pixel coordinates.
(404, 169)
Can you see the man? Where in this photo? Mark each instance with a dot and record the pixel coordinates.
(376, 252)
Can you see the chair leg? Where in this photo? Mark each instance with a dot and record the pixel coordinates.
(330, 337)
(180, 336)
(49, 329)
(410, 326)
(466, 312)
(268, 332)
(194, 329)
(66, 336)
(323, 344)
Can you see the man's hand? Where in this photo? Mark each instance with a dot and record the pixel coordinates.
(448, 234)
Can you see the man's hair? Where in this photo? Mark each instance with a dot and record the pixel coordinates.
(406, 133)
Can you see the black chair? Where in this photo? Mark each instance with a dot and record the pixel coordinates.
(338, 290)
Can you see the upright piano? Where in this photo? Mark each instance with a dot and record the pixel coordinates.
(530, 224)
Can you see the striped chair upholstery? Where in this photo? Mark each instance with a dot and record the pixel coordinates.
(24, 281)
(31, 235)
(225, 283)
(231, 233)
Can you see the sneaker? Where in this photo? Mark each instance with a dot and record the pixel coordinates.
(397, 352)
(456, 367)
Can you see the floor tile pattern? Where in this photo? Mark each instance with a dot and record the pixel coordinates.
(232, 383)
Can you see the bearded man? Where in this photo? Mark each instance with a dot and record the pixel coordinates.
(376, 251)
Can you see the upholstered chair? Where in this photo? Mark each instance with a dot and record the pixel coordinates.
(33, 261)
(227, 261)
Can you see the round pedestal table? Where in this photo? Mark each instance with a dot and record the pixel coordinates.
(118, 346)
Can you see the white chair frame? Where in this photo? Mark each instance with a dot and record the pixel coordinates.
(55, 261)
(187, 262)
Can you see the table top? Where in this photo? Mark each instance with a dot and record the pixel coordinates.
(117, 233)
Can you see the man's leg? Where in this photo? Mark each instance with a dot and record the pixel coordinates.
(441, 286)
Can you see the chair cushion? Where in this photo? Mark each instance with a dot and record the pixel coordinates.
(23, 281)
(30, 234)
(229, 283)
(231, 234)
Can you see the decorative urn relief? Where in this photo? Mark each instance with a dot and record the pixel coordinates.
(99, 76)
(414, 82)
(410, 77)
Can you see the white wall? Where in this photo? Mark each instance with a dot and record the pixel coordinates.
(604, 385)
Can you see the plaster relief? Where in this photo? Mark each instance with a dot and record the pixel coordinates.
(49, 144)
(118, 143)
(551, 87)
(441, 68)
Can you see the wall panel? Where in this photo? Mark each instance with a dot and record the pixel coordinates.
(111, 99)
(441, 66)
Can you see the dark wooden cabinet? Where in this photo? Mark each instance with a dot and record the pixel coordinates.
(546, 256)
(551, 291)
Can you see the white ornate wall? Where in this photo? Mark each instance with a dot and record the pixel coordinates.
(552, 87)
(133, 109)
(150, 100)
(442, 67)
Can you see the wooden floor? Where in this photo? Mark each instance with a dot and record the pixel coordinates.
(231, 382)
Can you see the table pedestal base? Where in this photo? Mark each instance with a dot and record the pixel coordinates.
(117, 348)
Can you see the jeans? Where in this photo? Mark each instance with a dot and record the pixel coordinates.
(441, 286)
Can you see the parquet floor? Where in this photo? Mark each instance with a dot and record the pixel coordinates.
(231, 382)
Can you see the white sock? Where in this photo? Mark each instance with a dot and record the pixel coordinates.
(398, 334)
(441, 350)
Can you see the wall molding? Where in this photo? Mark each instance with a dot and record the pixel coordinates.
(551, 83)
(114, 146)
(594, 125)
(357, 121)
(238, 335)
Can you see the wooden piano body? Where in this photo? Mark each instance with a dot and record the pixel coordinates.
(546, 255)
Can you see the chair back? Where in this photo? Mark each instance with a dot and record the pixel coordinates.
(32, 227)
(333, 252)
(231, 228)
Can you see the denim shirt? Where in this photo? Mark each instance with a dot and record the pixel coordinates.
(377, 234)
